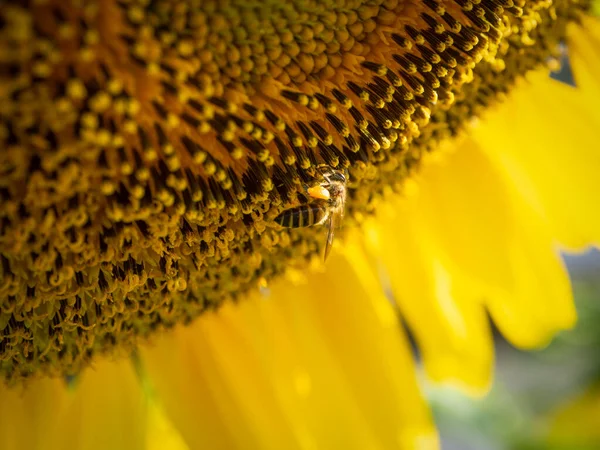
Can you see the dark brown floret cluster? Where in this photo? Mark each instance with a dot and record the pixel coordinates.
(146, 146)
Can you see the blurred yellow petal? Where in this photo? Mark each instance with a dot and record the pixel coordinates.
(162, 434)
(489, 238)
(584, 51)
(545, 140)
(576, 424)
(450, 328)
(105, 410)
(212, 406)
(322, 365)
(361, 331)
(108, 409)
(30, 416)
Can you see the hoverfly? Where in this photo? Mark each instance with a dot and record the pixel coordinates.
(327, 205)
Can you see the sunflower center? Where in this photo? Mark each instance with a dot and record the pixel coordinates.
(148, 146)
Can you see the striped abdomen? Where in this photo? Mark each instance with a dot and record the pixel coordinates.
(303, 216)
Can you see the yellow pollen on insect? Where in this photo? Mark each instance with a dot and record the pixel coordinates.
(319, 192)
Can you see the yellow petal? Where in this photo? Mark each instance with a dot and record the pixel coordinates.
(577, 423)
(449, 324)
(105, 409)
(161, 433)
(315, 366)
(210, 406)
(29, 416)
(362, 333)
(584, 51)
(494, 242)
(545, 140)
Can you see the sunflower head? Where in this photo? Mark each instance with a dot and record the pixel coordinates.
(148, 147)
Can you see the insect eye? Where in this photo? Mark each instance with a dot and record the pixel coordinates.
(338, 176)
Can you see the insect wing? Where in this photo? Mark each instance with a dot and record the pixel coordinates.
(336, 216)
(329, 242)
(334, 222)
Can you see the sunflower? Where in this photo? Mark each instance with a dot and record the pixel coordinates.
(149, 147)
